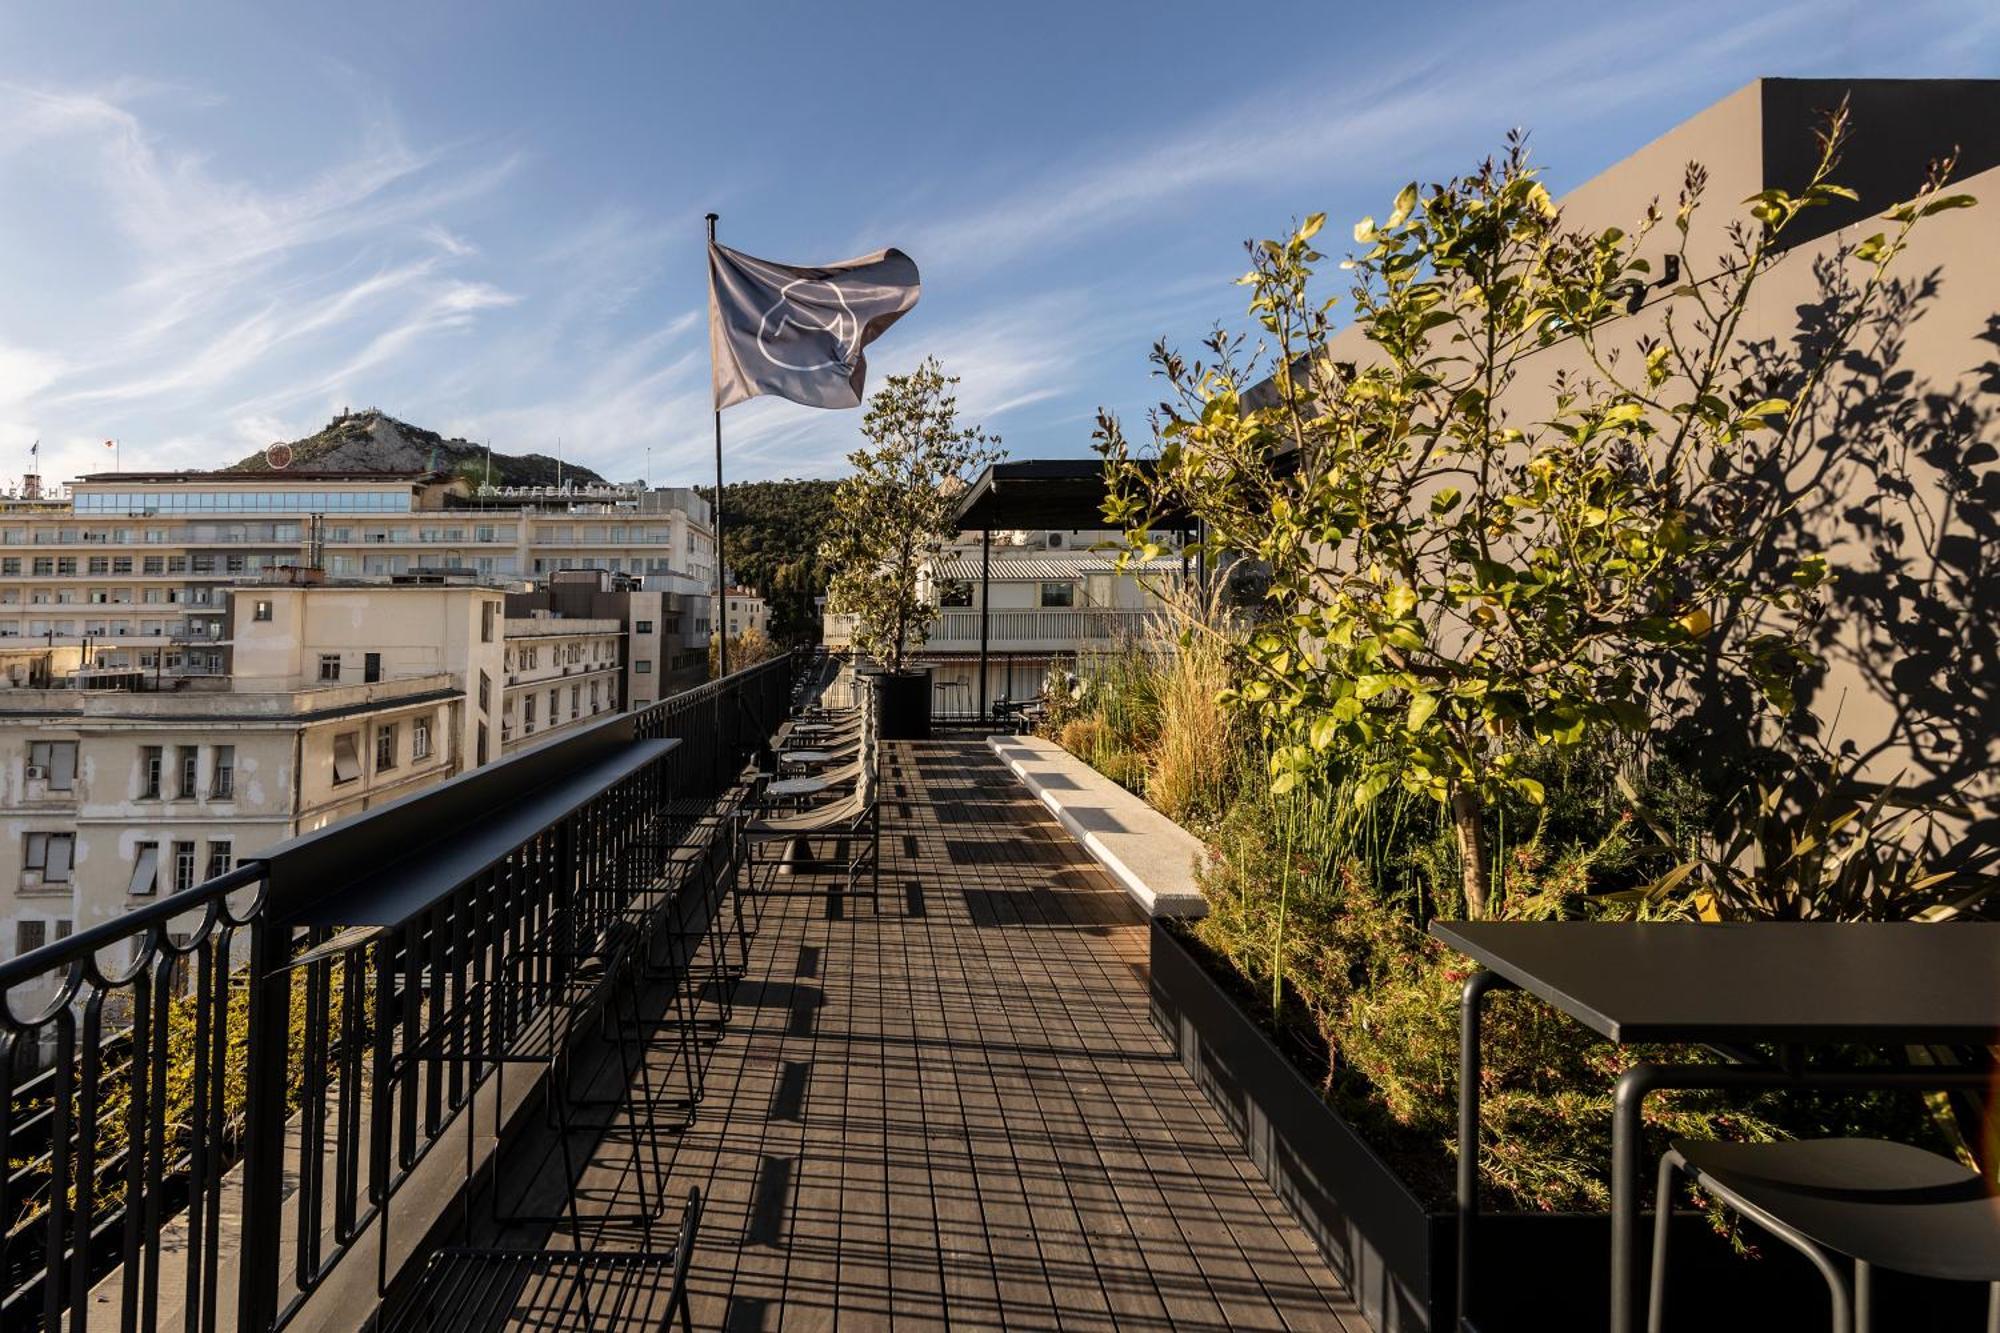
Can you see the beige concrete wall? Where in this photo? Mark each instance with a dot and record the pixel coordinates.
(418, 630)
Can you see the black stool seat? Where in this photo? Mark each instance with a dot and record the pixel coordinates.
(474, 1289)
(1886, 1204)
(469, 1290)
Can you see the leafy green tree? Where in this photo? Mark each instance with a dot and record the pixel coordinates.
(745, 650)
(894, 513)
(1455, 585)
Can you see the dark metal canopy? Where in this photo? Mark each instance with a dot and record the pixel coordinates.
(1061, 493)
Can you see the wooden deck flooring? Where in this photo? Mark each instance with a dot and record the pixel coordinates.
(953, 1112)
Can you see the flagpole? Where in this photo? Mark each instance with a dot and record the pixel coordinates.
(715, 518)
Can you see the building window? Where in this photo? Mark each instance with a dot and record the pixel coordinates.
(329, 666)
(183, 866)
(555, 706)
(482, 746)
(371, 668)
(1059, 594)
(346, 757)
(187, 761)
(30, 936)
(643, 667)
(262, 611)
(528, 714)
(54, 762)
(224, 786)
(642, 627)
(385, 747)
(151, 760)
(221, 858)
(145, 870)
(486, 616)
(485, 692)
(420, 739)
(49, 855)
(575, 707)
(954, 592)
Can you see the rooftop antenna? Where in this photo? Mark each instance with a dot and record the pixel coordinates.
(489, 462)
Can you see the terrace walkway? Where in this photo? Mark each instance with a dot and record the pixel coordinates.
(956, 1113)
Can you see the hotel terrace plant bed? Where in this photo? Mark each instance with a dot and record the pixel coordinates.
(1396, 1252)
(1367, 1174)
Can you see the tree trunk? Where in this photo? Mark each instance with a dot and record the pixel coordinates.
(1466, 818)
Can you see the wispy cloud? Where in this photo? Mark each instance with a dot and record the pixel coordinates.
(199, 291)
(1320, 134)
(223, 295)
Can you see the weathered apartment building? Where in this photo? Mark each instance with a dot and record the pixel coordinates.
(342, 698)
(558, 672)
(660, 655)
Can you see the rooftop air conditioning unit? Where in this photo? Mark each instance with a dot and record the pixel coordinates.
(36, 772)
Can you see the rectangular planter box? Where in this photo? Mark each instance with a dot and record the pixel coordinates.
(1543, 1272)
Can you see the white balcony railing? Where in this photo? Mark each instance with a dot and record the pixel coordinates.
(1039, 629)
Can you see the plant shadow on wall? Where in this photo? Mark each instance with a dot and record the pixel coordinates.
(1555, 544)
(1898, 484)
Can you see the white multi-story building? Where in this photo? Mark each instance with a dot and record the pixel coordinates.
(747, 610)
(128, 571)
(560, 673)
(297, 636)
(1050, 597)
(660, 646)
(194, 666)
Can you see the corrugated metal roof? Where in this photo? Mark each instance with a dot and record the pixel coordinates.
(1046, 566)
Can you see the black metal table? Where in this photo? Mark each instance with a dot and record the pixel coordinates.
(1734, 988)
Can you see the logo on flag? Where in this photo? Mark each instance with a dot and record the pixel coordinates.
(799, 332)
(802, 308)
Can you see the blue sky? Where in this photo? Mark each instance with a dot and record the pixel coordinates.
(221, 223)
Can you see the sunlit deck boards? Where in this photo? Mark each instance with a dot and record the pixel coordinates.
(956, 1113)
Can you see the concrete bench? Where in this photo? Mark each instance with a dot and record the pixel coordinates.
(1153, 857)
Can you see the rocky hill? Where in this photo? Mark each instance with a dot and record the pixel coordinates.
(373, 441)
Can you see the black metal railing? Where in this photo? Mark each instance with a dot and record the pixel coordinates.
(165, 1077)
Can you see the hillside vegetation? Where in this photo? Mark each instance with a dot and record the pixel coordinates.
(771, 536)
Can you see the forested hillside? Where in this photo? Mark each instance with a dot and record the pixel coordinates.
(771, 536)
